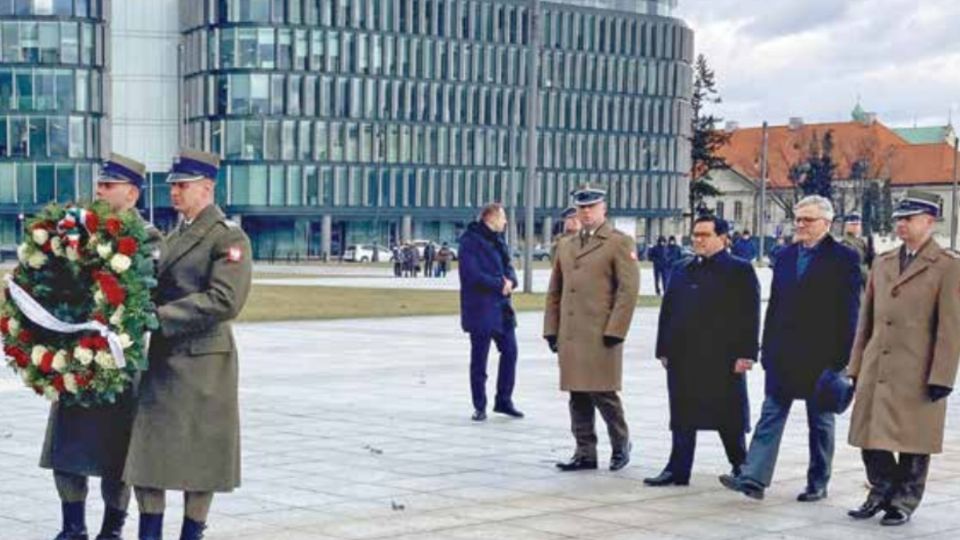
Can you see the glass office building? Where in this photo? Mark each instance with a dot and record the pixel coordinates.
(345, 121)
(52, 104)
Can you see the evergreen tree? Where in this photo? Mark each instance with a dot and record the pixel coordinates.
(706, 140)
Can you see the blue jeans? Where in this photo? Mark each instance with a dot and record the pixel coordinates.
(765, 445)
(506, 374)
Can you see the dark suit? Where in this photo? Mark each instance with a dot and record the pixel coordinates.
(809, 327)
(485, 313)
(710, 317)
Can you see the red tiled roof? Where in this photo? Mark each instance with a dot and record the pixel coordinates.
(889, 154)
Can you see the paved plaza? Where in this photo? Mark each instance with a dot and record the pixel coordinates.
(360, 429)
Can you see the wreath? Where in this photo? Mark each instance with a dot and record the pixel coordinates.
(77, 308)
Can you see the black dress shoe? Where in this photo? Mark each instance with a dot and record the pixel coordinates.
(894, 517)
(812, 495)
(478, 416)
(666, 478)
(735, 483)
(578, 464)
(621, 457)
(508, 410)
(868, 509)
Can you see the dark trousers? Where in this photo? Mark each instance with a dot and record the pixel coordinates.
(659, 278)
(898, 484)
(397, 269)
(506, 373)
(428, 269)
(582, 423)
(765, 445)
(685, 443)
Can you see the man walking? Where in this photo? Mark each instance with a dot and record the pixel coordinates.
(590, 302)
(658, 256)
(809, 328)
(83, 442)
(707, 341)
(904, 361)
(186, 435)
(487, 280)
(444, 256)
(429, 254)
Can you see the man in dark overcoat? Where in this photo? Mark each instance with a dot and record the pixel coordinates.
(658, 256)
(81, 442)
(707, 340)
(186, 434)
(809, 327)
(487, 280)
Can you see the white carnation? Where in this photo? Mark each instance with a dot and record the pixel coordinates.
(125, 340)
(72, 254)
(40, 236)
(60, 361)
(83, 355)
(25, 376)
(120, 263)
(70, 383)
(23, 252)
(56, 246)
(36, 355)
(99, 297)
(51, 393)
(37, 259)
(105, 360)
(104, 250)
(117, 316)
(13, 326)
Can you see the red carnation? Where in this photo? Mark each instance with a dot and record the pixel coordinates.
(46, 363)
(47, 247)
(92, 222)
(99, 318)
(111, 289)
(25, 336)
(58, 384)
(127, 246)
(5, 325)
(114, 226)
(83, 379)
(18, 355)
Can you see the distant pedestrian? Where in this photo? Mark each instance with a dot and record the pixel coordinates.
(674, 256)
(571, 226)
(590, 303)
(853, 239)
(429, 255)
(487, 280)
(414, 260)
(776, 250)
(397, 255)
(744, 247)
(444, 256)
(658, 256)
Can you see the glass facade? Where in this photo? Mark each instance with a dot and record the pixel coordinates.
(52, 108)
(419, 107)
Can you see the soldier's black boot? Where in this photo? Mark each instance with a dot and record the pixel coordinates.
(112, 528)
(192, 530)
(151, 527)
(74, 521)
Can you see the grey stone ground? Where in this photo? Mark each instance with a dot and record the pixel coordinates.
(360, 429)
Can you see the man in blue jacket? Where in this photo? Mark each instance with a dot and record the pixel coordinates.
(743, 247)
(487, 280)
(810, 324)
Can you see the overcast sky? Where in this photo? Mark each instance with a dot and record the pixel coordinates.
(811, 58)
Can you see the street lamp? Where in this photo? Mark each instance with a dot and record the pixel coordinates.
(533, 108)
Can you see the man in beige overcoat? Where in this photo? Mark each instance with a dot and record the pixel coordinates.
(590, 302)
(904, 361)
(186, 433)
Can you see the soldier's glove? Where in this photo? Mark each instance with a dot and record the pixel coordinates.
(612, 341)
(552, 342)
(937, 392)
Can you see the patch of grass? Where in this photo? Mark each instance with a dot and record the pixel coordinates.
(291, 303)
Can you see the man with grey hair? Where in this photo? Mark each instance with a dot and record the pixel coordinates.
(810, 324)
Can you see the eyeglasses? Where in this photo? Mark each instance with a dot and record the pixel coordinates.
(703, 235)
(802, 220)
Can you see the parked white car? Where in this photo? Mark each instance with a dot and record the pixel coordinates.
(366, 253)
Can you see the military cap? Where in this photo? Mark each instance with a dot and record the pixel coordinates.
(568, 212)
(122, 170)
(853, 217)
(918, 202)
(587, 195)
(192, 165)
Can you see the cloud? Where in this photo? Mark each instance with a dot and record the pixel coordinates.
(780, 58)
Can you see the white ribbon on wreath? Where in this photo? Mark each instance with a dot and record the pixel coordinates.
(39, 315)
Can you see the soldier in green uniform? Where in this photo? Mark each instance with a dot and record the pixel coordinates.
(853, 239)
(571, 226)
(186, 434)
(82, 442)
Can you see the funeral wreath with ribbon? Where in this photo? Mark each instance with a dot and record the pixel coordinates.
(77, 311)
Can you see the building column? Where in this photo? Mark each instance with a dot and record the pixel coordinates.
(301, 235)
(547, 230)
(406, 228)
(326, 236)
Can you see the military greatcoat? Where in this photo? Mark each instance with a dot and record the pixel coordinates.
(93, 441)
(186, 435)
(593, 292)
(908, 338)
